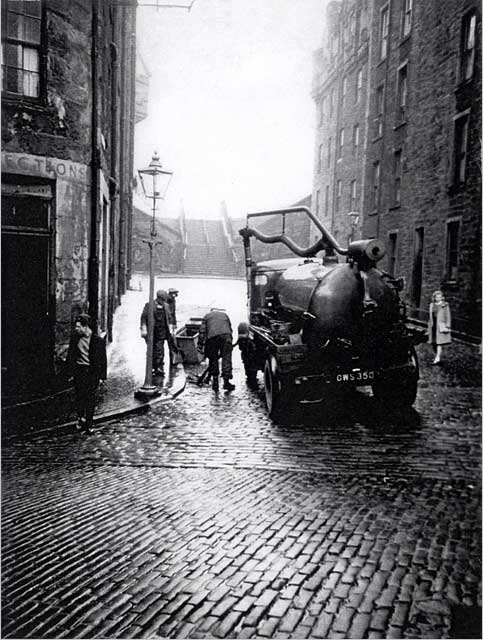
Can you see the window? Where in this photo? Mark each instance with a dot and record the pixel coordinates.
(468, 46)
(344, 94)
(378, 120)
(21, 48)
(317, 202)
(327, 200)
(329, 151)
(417, 279)
(355, 138)
(402, 91)
(340, 144)
(322, 110)
(358, 90)
(319, 162)
(331, 103)
(452, 245)
(353, 196)
(338, 195)
(460, 147)
(397, 177)
(407, 17)
(353, 28)
(334, 42)
(392, 254)
(384, 32)
(376, 171)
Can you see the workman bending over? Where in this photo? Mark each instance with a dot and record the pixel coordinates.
(217, 335)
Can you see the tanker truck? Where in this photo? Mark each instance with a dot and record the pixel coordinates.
(318, 325)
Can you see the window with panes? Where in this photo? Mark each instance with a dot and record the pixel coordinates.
(355, 138)
(397, 177)
(376, 172)
(338, 195)
(384, 33)
(402, 91)
(452, 247)
(358, 89)
(344, 94)
(340, 146)
(322, 110)
(319, 159)
(327, 188)
(407, 17)
(460, 148)
(392, 254)
(21, 40)
(378, 120)
(468, 46)
(353, 196)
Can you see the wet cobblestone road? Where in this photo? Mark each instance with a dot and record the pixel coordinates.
(205, 519)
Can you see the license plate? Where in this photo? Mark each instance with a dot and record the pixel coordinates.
(355, 377)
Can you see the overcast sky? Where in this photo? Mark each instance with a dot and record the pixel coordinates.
(230, 110)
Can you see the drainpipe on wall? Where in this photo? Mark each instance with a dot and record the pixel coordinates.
(367, 125)
(113, 189)
(132, 107)
(93, 282)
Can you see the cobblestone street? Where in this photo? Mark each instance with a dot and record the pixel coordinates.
(202, 518)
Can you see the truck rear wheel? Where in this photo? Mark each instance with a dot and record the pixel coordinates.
(275, 393)
(400, 393)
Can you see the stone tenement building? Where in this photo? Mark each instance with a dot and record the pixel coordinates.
(397, 85)
(67, 146)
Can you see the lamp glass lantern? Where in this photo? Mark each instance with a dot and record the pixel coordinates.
(160, 178)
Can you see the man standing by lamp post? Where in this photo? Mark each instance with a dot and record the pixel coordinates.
(154, 181)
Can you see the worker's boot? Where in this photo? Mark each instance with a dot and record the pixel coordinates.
(214, 383)
(227, 385)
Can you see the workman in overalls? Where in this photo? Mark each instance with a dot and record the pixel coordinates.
(161, 329)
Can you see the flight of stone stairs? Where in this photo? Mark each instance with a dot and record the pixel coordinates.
(207, 251)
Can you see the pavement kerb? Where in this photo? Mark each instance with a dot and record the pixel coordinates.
(121, 412)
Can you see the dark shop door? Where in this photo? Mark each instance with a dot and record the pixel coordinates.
(26, 323)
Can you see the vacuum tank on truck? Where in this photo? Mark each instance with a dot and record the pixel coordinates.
(317, 325)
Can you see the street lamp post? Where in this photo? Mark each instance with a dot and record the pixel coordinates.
(154, 181)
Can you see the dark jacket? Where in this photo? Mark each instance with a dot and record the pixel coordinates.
(172, 310)
(216, 323)
(161, 319)
(97, 356)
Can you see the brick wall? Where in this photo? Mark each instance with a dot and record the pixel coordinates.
(340, 93)
(49, 139)
(414, 146)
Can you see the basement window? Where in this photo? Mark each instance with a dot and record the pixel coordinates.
(21, 32)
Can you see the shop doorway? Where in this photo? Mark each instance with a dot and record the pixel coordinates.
(27, 316)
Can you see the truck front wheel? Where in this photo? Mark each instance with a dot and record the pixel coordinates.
(275, 393)
(248, 354)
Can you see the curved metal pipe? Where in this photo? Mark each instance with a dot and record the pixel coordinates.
(327, 240)
(300, 251)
